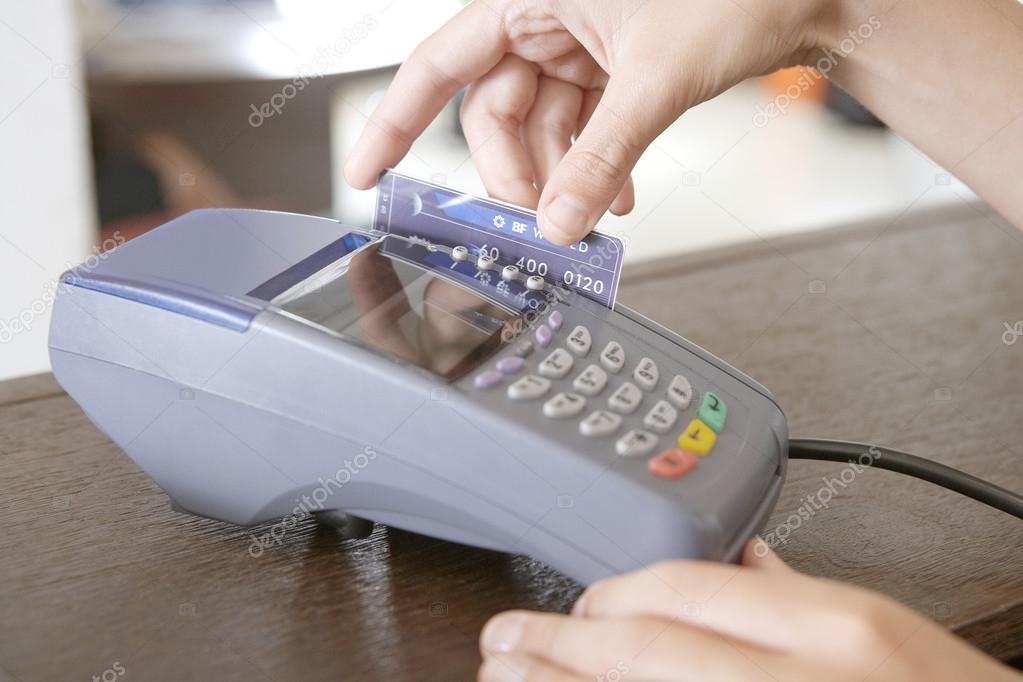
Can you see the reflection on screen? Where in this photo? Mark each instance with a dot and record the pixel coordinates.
(401, 310)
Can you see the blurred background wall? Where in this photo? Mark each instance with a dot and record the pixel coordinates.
(117, 115)
(47, 208)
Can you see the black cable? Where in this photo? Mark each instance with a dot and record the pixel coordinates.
(911, 465)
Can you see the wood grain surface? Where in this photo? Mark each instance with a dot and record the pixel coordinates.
(889, 332)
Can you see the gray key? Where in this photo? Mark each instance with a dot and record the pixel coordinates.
(529, 387)
(646, 374)
(661, 417)
(591, 382)
(626, 399)
(524, 349)
(680, 392)
(599, 424)
(564, 405)
(579, 341)
(556, 365)
(636, 443)
(613, 357)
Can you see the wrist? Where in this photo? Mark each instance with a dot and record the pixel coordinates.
(836, 18)
(813, 29)
(841, 28)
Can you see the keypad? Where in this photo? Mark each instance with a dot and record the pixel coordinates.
(636, 443)
(579, 341)
(556, 365)
(713, 411)
(680, 392)
(646, 374)
(591, 382)
(643, 434)
(661, 417)
(564, 405)
(698, 438)
(626, 399)
(600, 423)
(529, 387)
(613, 357)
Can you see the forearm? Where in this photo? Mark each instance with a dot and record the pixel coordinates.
(947, 76)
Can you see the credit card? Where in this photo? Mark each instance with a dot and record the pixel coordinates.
(508, 234)
(514, 294)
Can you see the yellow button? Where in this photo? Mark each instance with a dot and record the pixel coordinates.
(698, 438)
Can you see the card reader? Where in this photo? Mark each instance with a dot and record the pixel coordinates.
(259, 364)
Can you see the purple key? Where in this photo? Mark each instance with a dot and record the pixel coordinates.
(510, 365)
(488, 379)
(543, 336)
(555, 320)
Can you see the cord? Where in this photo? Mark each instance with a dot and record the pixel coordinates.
(911, 465)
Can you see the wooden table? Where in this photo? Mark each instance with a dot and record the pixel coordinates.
(886, 332)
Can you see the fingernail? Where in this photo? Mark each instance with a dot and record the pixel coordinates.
(504, 669)
(503, 633)
(566, 217)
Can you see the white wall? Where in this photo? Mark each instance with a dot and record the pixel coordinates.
(46, 206)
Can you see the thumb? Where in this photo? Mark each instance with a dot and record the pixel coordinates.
(597, 166)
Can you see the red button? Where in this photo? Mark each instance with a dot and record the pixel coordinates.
(673, 463)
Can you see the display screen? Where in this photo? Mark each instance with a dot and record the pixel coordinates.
(401, 310)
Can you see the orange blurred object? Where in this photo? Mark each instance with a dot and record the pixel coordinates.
(812, 86)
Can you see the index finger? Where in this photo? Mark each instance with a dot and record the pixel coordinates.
(461, 51)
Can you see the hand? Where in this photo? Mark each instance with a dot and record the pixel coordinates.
(688, 620)
(612, 74)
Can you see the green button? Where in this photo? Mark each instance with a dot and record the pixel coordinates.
(712, 412)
